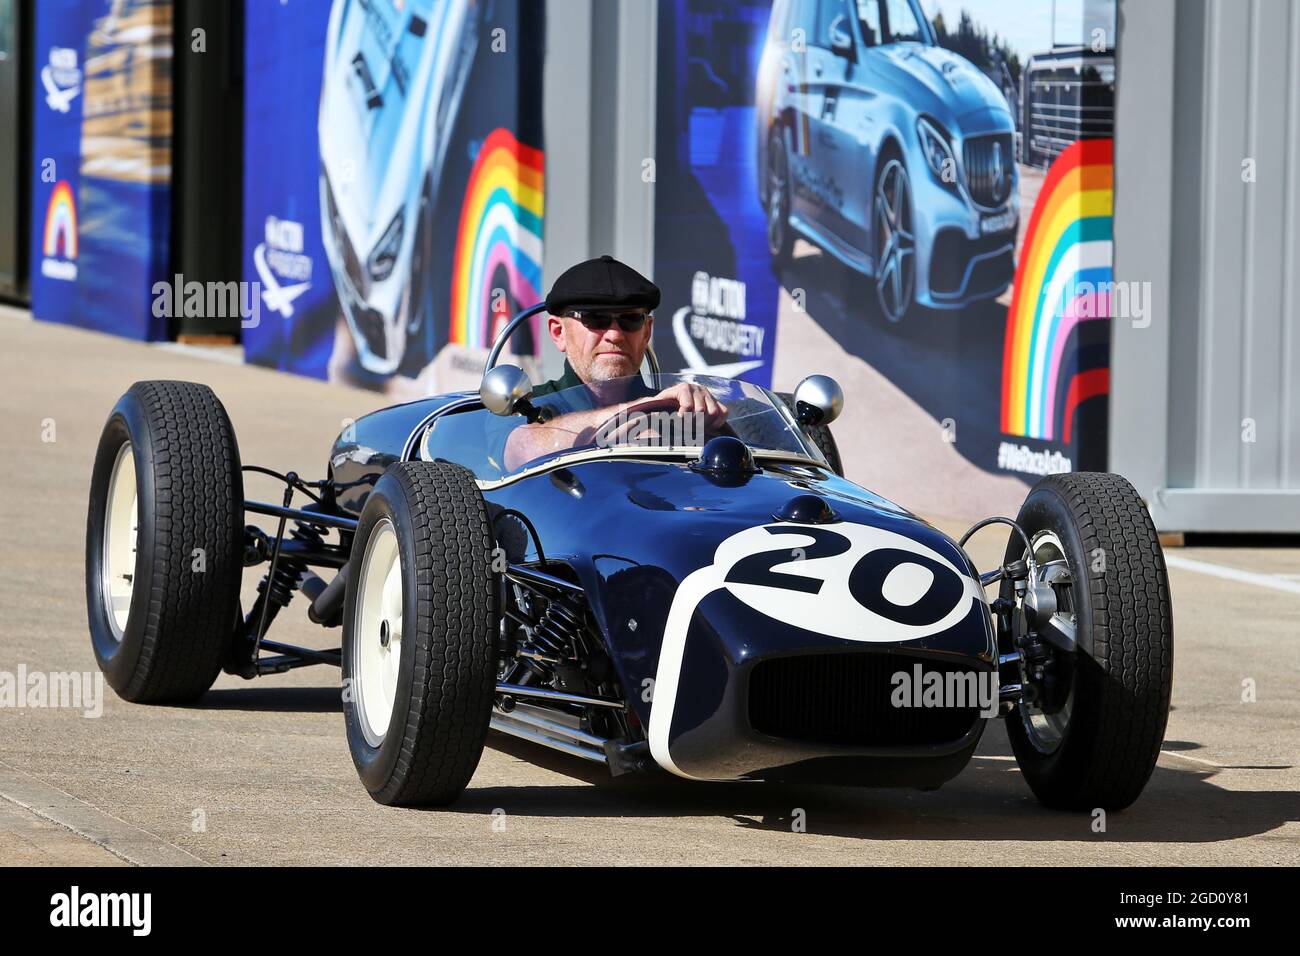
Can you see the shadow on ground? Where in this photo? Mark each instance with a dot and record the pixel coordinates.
(989, 801)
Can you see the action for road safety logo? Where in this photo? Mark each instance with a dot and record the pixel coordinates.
(284, 270)
(61, 79)
(715, 320)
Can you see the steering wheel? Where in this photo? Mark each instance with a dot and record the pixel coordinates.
(519, 319)
(614, 430)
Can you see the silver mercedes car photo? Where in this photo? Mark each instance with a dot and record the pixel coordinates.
(393, 79)
(892, 154)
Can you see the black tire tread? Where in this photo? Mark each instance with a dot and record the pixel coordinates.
(198, 503)
(454, 679)
(1132, 637)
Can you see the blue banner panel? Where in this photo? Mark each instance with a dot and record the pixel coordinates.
(912, 195)
(282, 250)
(101, 158)
(60, 31)
(392, 186)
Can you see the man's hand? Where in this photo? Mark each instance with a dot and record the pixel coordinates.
(692, 406)
(611, 425)
(686, 398)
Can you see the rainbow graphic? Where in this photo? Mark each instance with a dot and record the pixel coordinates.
(1063, 280)
(499, 241)
(61, 223)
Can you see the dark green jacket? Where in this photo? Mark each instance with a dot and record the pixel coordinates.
(568, 380)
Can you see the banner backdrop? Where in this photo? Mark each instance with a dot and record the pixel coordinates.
(913, 196)
(101, 162)
(59, 53)
(393, 193)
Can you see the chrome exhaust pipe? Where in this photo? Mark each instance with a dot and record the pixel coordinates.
(559, 696)
(527, 730)
(546, 722)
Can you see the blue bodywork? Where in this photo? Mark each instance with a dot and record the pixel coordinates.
(640, 535)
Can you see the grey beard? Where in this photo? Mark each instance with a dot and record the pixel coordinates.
(597, 374)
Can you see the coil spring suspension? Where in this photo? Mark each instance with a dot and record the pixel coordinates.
(554, 635)
(279, 587)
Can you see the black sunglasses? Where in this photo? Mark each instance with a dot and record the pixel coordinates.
(601, 320)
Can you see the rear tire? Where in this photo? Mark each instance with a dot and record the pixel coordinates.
(1105, 750)
(419, 635)
(164, 538)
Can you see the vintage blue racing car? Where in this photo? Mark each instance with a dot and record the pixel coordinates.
(715, 601)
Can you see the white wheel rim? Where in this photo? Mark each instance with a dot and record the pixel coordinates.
(121, 533)
(377, 632)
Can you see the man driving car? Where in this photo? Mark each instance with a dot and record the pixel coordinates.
(599, 316)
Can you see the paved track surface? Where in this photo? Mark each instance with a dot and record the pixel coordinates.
(259, 773)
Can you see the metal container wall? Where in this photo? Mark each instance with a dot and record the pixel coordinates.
(1205, 394)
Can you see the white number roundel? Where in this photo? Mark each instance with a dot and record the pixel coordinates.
(845, 580)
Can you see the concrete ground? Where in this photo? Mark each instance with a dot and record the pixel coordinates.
(259, 773)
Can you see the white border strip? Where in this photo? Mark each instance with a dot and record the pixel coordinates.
(1233, 574)
(124, 840)
(226, 354)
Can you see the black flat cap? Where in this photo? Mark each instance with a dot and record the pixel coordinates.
(603, 283)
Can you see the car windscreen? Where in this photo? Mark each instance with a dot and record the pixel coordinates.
(890, 21)
(638, 416)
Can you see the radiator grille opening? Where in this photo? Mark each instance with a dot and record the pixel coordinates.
(989, 162)
(844, 699)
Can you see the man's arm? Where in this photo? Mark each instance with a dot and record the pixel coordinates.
(529, 442)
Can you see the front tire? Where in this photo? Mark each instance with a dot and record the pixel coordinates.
(1095, 740)
(164, 542)
(419, 638)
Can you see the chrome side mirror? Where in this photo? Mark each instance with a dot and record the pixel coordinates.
(505, 388)
(818, 400)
